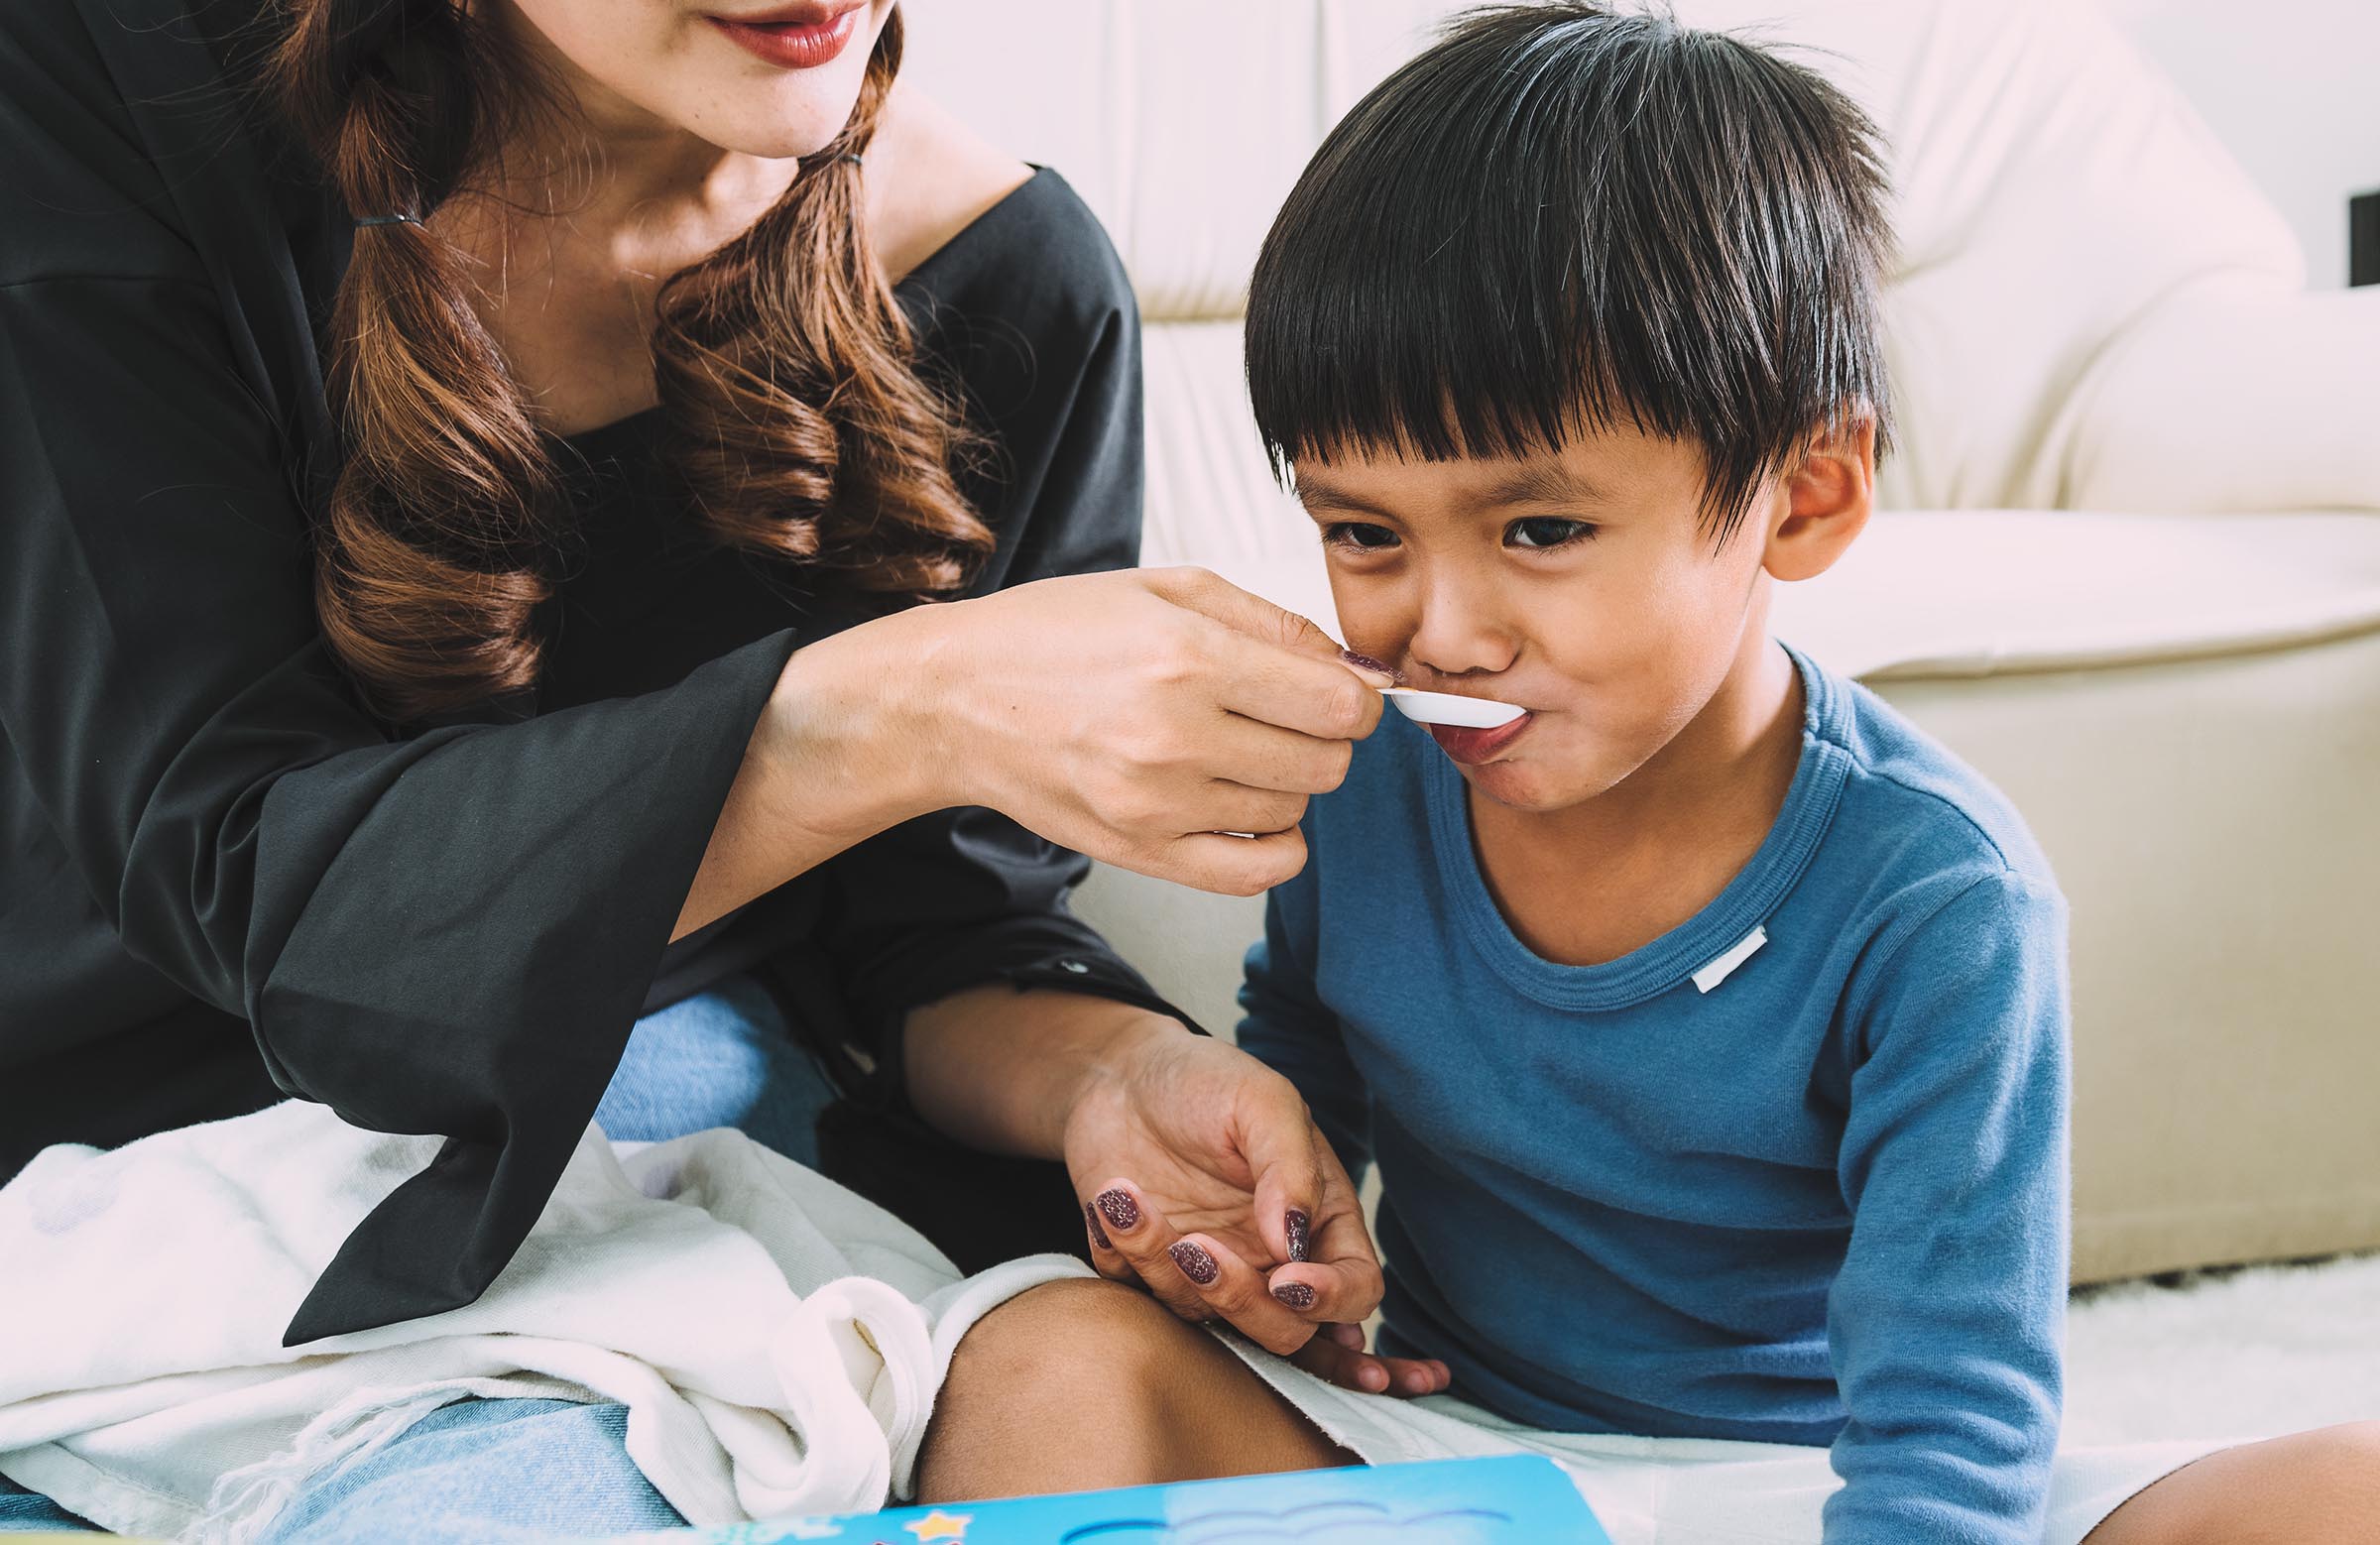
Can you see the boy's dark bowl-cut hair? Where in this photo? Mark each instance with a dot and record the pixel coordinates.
(1559, 218)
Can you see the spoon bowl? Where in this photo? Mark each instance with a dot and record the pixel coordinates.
(1451, 708)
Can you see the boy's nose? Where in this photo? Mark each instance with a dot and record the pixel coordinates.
(1461, 633)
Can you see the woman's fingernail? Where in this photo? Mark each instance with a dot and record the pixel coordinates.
(1376, 666)
(1297, 1295)
(1099, 1234)
(1196, 1263)
(1121, 1212)
(1296, 1225)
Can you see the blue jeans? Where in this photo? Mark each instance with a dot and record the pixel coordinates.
(30, 1512)
(502, 1469)
(484, 1470)
(722, 1058)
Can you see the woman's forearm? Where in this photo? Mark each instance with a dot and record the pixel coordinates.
(836, 757)
(1000, 1069)
(1137, 716)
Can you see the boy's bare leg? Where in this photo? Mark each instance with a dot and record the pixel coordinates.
(2319, 1487)
(1077, 1385)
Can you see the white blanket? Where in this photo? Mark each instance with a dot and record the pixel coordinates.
(777, 1340)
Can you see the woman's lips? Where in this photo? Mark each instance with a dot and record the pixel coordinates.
(794, 37)
(1473, 746)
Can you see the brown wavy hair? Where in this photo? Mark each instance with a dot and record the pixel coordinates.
(791, 392)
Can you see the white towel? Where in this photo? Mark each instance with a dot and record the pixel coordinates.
(1683, 1491)
(777, 1340)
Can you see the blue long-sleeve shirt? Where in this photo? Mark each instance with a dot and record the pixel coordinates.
(1824, 1202)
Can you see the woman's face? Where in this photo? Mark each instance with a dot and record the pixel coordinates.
(762, 77)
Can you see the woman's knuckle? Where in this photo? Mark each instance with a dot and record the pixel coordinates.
(1285, 861)
(1232, 1299)
(1170, 654)
(1253, 879)
(1346, 707)
(1140, 804)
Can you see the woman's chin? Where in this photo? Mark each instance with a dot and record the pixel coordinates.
(770, 136)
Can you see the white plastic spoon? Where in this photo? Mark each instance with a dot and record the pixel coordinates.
(1450, 708)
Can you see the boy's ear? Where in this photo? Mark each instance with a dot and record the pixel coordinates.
(1826, 501)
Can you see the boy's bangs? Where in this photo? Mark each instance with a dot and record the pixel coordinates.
(1558, 220)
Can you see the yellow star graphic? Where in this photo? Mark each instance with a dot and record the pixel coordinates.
(940, 1525)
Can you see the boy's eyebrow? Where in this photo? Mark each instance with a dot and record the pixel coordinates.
(1541, 483)
(1535, 484)
(1319, 493)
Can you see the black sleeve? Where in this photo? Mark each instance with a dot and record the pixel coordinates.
(967, 896)
(448, 934)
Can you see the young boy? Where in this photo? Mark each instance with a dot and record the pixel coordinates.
(1708, 1022)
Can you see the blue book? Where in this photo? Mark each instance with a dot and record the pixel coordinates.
(1512, 1499)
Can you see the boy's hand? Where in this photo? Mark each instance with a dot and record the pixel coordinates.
(1338, 1355)
(1205, 1179)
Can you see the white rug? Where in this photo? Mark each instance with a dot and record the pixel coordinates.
(2246, 1353)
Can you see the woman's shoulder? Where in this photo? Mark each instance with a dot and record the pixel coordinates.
(114, 124)
(977, 229)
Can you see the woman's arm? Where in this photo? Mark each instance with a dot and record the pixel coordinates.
(829, 764)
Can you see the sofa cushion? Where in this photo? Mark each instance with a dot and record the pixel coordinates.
(1984, 592)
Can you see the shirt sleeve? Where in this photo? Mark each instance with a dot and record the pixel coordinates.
(963, 897)
(448, 934)
(1286, 1026)
(1946, 1320)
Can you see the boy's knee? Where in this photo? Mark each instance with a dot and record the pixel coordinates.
(2317, 1487)
(2340, 1470)
(1068, 1339)
(1061, 1388)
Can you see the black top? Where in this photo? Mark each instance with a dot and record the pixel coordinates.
(222, 881)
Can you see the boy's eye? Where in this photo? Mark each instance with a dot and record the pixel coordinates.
(1358, 535)
(1545, 531)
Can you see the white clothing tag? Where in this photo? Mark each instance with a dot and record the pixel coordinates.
(1725, 967)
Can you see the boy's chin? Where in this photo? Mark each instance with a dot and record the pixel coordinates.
(1533, 789)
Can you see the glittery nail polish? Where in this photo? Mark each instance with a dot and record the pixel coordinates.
(1196, 1263)
(1367, 662)
(1121, 1212)
(1297, 1295)
(1099, 1234)
(1295, 1226)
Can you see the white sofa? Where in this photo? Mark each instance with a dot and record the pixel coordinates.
(2131, 568)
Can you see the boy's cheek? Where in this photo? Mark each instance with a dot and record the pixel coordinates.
(1370, 618)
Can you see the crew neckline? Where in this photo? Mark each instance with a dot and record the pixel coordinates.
(1747, 901)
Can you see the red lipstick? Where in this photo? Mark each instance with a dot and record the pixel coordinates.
(795, 37)
(1472, 748)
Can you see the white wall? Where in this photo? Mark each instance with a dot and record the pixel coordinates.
(2293, 87)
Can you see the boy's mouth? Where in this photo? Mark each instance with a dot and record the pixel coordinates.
(1475, 746)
